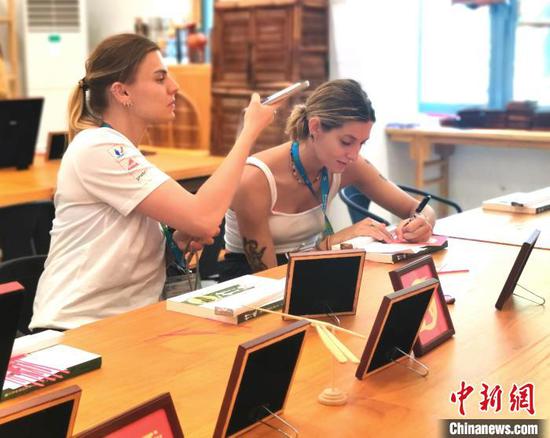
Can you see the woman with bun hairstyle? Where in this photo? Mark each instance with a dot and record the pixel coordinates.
(284, 192)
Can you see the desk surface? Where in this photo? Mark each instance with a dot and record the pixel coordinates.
(38, 182)
(150, 351)
(495, 226)
(487, 137)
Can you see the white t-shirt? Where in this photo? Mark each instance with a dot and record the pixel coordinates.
(104, 258)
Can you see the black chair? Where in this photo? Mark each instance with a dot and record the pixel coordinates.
(25, 229)
(27, 271)
(209, 266)
(358, 204)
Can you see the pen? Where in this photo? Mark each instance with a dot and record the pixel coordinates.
(422, 204)
(420, 207)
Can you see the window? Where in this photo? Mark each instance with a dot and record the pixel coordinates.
(532, 54)
(486, 56)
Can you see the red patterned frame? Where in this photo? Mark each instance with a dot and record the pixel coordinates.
(119, 426)
(407, 276)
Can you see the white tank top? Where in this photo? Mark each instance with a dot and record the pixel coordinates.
(290, 231)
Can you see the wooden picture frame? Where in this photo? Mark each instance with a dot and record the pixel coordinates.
(517, 268)
(11, 303)
(261, 376)
(396, 327)
(54, 412)
(157, 414)
(319, 283)
(437, 325)
(56, 144)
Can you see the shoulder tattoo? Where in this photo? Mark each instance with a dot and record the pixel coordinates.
(254, 254)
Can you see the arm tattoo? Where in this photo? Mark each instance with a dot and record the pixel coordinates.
(254, 255)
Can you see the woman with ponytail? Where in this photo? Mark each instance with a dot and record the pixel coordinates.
(285, 191)
(107, 247)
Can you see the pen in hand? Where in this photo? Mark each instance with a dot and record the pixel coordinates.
(420, 207)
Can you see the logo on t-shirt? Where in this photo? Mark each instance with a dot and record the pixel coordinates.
(142, 176)
(132, 164)
(117, 152)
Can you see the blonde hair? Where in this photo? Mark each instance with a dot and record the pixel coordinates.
(334, 103)
(115, 59)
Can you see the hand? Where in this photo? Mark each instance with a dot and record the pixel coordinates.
(415, 229)
(369, 227)
(188, 243)
(258, 116)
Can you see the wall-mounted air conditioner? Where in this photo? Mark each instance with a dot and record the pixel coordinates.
(55, 42)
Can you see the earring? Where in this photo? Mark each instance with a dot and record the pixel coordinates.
(127, 104)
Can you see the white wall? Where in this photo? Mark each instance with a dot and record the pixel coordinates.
(107, 17)
(377, 44)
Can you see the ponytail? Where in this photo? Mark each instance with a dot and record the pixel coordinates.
(80, 117)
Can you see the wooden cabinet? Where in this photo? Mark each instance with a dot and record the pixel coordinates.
(263, 46)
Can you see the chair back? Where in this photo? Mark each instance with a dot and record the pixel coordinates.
(25, 229)
(358, 204)
(27, 271)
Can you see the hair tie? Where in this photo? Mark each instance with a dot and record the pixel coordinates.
(82, 83)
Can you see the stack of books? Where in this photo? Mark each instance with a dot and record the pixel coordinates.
(394, 252)
(519, 115)
(534, 202)
(541, 121)
(232, 301)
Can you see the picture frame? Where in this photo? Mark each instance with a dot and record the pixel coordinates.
(11, 303)
(517, 268)
(321, 283)
(56, 144)
(50, 416)
(396, 327)
(260, 379)
(157, 414)
(437, 325)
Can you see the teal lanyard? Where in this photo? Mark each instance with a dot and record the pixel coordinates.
(105, 125)
(325, 185)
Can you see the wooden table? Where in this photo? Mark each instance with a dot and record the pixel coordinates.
(191, 167)
(442, 141)
(151, 350)
(495, 226)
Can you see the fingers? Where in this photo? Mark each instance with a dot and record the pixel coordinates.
(376, 230)
(417, 230)
(255, 98)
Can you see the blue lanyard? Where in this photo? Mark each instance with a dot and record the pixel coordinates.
(325, 186)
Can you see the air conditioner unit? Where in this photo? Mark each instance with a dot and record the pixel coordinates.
(55, 41)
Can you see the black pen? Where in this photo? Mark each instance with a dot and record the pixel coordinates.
(419, 209)
(422, 204)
